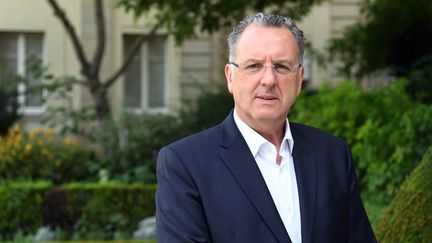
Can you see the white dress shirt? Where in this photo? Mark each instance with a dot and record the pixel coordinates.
(280, 179)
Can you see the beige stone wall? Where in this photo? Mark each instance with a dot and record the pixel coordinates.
(35, 16)
(20, 16)
(193, 67)
(23, 16)
(325, 21)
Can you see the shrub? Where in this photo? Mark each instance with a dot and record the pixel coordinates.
(387, 131)
(40, 154)
(210, 109)
(109, 210)
(132, 144)
(21, 205)
(420, 75)
(81, 211)
(409, 218)
(8, 110)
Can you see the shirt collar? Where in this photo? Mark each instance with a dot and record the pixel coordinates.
(254, 140)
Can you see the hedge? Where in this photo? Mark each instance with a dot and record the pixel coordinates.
(21, 205)
(79, 211)
(409, 218)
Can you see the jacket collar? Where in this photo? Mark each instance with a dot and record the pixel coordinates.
(239, 160)
(305, 168)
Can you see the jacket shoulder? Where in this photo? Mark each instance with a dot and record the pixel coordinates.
(312, 134)
(198, 139)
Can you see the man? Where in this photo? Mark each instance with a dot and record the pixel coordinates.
(257, 177)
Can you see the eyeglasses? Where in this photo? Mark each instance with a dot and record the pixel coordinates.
(282, 68)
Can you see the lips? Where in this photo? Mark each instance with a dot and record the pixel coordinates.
(267, 97)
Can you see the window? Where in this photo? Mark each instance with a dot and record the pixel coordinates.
(145, 79)
(15, 50)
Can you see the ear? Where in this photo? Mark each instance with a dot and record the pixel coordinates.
(228, 76)
(300, 77)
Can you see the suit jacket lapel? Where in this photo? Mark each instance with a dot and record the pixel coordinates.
(239, 160)
(305, 168)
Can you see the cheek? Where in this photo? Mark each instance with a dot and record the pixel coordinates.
(290, 89)
(238, 92)
(242, 88)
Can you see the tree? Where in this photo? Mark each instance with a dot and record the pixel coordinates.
(394, 34)
(182, 17)
(179, 18)
(90, 69)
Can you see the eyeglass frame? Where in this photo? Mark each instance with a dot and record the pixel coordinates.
(244, 66)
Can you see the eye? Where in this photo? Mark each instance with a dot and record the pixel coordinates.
(283, 68)
(253, 67)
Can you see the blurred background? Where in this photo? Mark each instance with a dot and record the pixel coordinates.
(90, 90)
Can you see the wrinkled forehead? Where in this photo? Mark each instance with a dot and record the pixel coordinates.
(260, 42)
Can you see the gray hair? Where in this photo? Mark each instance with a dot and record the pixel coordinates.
(265, 20)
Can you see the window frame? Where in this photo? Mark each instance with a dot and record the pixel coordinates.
(144, 77)
(21, 68)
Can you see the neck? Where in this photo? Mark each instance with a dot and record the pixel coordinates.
(272, 133)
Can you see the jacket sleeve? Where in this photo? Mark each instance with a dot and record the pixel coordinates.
(179, 213)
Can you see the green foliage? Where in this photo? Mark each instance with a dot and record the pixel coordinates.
(8, 110)
(84, 211)
(132, 144)
(387, 131)
(420, 75)
(61, 114)
(66, 118)
(110, 209)
(8, 99)
(183, 18)
(210, 109)
(409, 218)
(395, 33)
(21, 205)
(41, 154)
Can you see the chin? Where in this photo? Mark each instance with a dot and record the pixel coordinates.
(269, 116)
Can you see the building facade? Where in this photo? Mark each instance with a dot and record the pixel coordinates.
(162, 75)
(324, 22)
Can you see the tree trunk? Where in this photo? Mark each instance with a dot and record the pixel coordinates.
(90, 69)
(103, 110)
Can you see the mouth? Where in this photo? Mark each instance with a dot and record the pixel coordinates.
(266, 97)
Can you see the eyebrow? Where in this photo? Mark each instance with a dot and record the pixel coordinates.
(254, 60)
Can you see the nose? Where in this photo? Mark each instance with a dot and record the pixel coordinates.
(268, 77)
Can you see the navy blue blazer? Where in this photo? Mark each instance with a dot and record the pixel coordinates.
(210, 189)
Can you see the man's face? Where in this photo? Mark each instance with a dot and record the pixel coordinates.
(264, 97)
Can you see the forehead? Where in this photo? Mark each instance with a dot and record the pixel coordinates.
(262, 42)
